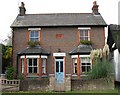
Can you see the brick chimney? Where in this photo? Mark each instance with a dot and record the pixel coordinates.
(22, 9)
(95, 8)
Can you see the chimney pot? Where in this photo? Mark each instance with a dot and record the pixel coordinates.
(22, 9)
(95, 8)
(94, 3)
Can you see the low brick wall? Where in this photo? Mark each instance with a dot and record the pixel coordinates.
(96, 84)
(28, 85)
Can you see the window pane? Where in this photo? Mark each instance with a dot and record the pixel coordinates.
(22, 65)
(83, 68)
(35, 69)
(81, 33)
(88, 68)
(57, 66)
(30, 62)
(35, 62)
(75, 69)
(83, 63)
(43, 62)
(34, 36)
(88, 63)
(86, 32)
(30, 69)
(61, 66)
(85, 38)
(31, 34)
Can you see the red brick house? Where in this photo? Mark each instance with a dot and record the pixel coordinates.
(59, 43)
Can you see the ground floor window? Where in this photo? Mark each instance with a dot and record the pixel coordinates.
(86, 65)
(44, 65)
(75, 66)
(22, 63)
(32, 65)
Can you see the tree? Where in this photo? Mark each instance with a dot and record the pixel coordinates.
(8, 41)
(7, 57)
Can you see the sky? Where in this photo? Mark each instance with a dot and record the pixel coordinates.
(9, 10)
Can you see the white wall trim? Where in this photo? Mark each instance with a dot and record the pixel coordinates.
(74, 56)
(84, 28)
(59, 54)
(84, 55)
(22, 56)
(34, 28)
(43, 56)
(31, 56)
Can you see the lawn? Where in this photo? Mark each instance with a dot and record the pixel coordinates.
(103, 92)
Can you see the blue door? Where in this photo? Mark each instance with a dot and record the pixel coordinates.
(59, 70)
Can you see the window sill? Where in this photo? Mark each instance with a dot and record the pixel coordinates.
(74, 75)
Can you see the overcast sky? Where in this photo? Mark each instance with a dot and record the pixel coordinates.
(9, 10)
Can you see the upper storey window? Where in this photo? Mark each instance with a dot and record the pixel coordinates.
(84, 33)
(34, 34)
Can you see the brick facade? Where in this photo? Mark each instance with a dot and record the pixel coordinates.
(51, 43)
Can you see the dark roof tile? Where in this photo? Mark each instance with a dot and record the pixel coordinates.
(33, 51)
(81, 49)
(58, 19)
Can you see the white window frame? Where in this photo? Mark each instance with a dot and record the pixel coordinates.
(22, 63)
(84, 36)
(86, 61)
(44, 63)
(32, 65)
(74, 66)
(38, 37)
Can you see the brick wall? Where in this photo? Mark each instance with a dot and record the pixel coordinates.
(31, 85)
(97, 84)
(52, 39)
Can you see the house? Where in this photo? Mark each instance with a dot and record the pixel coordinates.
(55, 44)
(114, 45)
(0, 59)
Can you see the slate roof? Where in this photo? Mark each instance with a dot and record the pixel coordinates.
(113, 37)
(81, 49)
(58, 19)
(33, 51)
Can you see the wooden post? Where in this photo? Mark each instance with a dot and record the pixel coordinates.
(40, 67)
(78, 67)
(65, 66)
(53, 64)
(25, 67)
(20, 67)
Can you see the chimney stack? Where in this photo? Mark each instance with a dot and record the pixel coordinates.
(95, 8)
(22, 9)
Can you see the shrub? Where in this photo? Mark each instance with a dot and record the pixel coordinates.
(20, 77)
(10, 71)
(33, 43)
(85, 42)
(101, 69)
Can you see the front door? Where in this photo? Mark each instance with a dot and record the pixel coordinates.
(59, 70)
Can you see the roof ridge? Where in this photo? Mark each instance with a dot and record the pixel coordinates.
(56, 13)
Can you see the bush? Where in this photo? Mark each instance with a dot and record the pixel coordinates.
(85, 42)
(10, 71)
(33, 43)
(101, 69)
